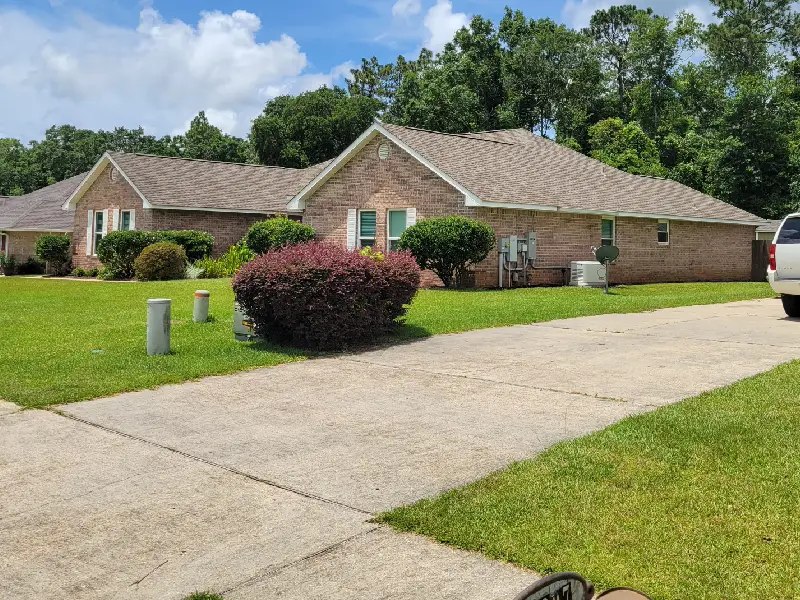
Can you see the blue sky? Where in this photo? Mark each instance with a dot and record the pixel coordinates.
(156, 63)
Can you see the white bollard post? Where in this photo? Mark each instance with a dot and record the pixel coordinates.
(200, 314)
(159, 316)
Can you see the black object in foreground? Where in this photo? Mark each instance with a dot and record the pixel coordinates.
(571, 586)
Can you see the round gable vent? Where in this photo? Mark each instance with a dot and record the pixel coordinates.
(384, 151)
(113, 174)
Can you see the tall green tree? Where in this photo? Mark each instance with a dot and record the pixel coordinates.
(206, 141)
(298, 131)
(625, 146)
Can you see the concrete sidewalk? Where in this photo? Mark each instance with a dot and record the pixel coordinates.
(262, 484)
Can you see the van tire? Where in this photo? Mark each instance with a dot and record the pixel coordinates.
(791, 305)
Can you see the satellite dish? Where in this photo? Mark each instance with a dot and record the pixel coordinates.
(557, 586)
(606, 254)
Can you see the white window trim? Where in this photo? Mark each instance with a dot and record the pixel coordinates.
(358, 229)
(102, 232)
(133, 218)
(669, 232)
(614, 231)
(390, 239)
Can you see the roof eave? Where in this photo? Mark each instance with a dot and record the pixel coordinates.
(611, 213)
(92, 176)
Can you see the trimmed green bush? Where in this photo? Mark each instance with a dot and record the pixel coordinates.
(119, 249)
(160, 261)
(196, 244)
(54, 249)
(448, 246)
(277, 233)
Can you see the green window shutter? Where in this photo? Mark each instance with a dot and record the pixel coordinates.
(368, 224)
(397, 223)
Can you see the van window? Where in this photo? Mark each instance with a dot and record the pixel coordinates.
(790, 232)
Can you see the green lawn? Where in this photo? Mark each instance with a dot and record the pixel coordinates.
(696, 500)
(62, 341)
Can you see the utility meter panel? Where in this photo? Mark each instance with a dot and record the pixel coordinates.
(531, 245)
(513, 248)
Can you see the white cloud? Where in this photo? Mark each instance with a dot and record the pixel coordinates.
(441, 23)
(577, 13)
(406, 8)
(158, 75)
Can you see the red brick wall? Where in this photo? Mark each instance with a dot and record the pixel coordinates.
(227, 228)
(697, 251)
(22, 244)
(103, 194)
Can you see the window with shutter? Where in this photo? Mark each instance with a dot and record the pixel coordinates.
(397, 221)
(367, 228)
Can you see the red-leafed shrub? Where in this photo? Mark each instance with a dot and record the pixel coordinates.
(321, 296)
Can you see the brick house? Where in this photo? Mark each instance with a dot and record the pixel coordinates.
(392, 176)
(23, 219)
(137, 191)
(518, 182)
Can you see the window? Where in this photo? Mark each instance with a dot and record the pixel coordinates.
(663, 232)
(3, 243)
(790, 232)
(99, 229)
(607, 231)
(126, 220)
(367, 227)
(397, 225)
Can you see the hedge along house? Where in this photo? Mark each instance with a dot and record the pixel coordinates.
(125, 191)
(392, 176)
(24, 219)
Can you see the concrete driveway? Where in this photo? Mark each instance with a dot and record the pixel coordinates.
(262, 484)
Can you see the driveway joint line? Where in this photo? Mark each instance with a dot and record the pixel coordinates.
(274, 570)
(211, 463)
(473, 378)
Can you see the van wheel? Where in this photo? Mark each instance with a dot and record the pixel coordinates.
(791, 305)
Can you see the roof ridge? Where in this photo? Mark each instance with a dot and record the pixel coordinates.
(467, 135)
(205, 160)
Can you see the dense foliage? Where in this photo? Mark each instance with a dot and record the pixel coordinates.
(310, 128)
(226, 265)
(716, 107)
(55, 250)
(277, 233)
(448, 246)
(325, 297)
(119, 249)
(160, 262)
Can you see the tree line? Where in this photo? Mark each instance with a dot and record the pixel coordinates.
(716, 107)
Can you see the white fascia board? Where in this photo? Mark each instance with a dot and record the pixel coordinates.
(610, 213)
(46, 230)
(298, 203)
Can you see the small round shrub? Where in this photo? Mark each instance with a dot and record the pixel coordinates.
(448, 246)
(324, 297)
(160, 261)
(55, 250)
(277, 233)
(78, 272)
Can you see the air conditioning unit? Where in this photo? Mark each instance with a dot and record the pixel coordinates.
(587, 273)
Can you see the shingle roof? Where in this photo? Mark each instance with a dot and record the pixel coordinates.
(202, 184)
(769, 226)
(40, 210)
(518, 167)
